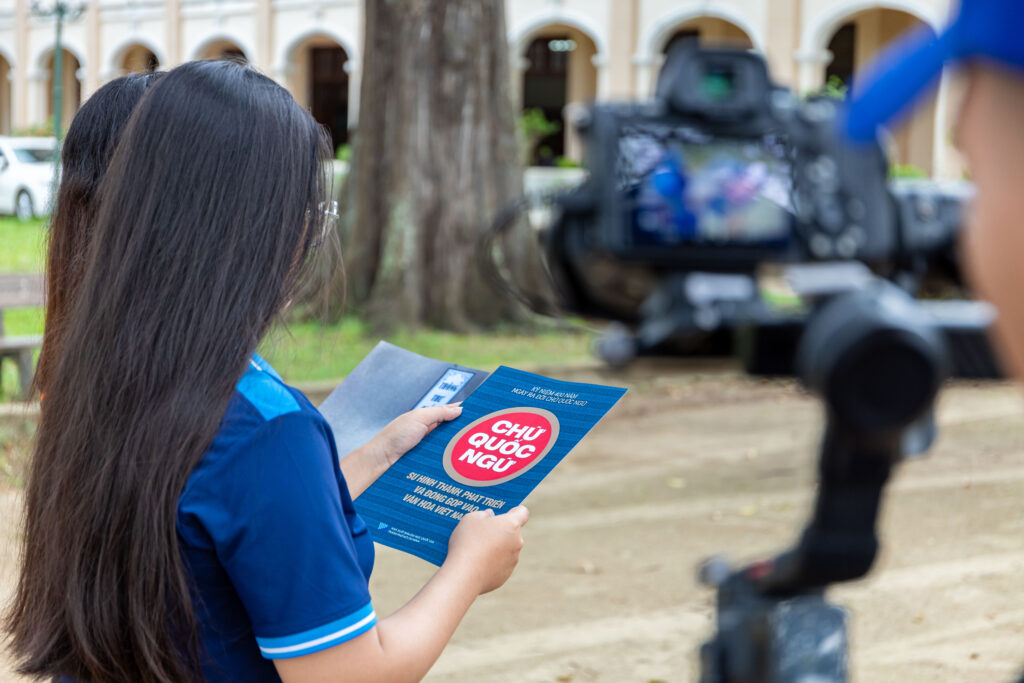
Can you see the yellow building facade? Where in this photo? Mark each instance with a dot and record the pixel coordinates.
(564, 52)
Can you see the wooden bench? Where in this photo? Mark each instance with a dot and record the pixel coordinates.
(20, 291)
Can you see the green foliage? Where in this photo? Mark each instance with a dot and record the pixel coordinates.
(39, 130)
(782, 301)
(344, 152)
(534, 126)
(566, 162)
(533, 122)
(906, 171)
(834, 88)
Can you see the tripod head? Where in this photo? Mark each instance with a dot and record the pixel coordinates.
(876, 361)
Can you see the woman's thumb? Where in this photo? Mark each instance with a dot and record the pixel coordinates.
(519, 514)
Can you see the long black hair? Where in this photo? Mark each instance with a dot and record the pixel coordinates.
(85, 155)
(207, 215)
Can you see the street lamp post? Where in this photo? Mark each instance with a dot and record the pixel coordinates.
(61, 10)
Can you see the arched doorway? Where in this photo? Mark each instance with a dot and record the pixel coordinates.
(320, 80)
(701, 32)
(853, 44)
(708, 32)
(223, 49)
(842, 47)
(559, 72)
(138, 59)
(71, 86)
(5, 96)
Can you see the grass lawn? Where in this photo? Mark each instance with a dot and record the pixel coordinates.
(308, 351)
(22, 245)
(22, 250)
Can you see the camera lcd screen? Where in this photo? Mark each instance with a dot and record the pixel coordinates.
(683, 189)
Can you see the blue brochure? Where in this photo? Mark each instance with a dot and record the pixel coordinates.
(514, 428)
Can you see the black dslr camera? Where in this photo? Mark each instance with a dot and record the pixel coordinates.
(694, 200)
(723, 172)
(693, 197)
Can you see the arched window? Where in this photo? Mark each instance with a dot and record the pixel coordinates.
(708, 32)
(319, 79)
(138, 59)
(854, 43)
(223, 49)
(842, 49)
(559, 72)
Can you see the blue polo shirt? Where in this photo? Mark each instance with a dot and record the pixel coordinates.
(278, 557)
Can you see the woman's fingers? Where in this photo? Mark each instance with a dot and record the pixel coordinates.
(431, 417)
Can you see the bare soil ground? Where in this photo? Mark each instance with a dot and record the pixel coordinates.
(699, 462)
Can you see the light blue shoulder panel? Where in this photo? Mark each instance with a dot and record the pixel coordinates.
(263, 390)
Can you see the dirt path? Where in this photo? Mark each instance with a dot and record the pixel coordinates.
(691, 465)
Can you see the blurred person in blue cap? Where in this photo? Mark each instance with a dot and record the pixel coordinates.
(984, 37)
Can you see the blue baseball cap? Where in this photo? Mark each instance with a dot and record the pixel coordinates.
(897, 79)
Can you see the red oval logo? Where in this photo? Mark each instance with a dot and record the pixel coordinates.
(500, 446)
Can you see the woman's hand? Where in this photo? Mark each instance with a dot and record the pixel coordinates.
(407, 430)
(485, 547)
(364, 465)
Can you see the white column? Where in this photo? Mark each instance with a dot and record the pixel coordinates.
(940, 144)
(264, 34)
(355, 77)
(811, 75)
(20, 87)
(91, 79)
(600, 62)
(519, 65)
(37, 96)
(172, 32)
(7, 117)
(643, 66)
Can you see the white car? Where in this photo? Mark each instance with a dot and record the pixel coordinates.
(27, 167)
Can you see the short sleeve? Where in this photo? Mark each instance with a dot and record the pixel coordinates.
(273, 512)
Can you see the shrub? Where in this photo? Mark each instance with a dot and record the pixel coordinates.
(534, 126)
(39, 130)
(906, 171)
(835, 88)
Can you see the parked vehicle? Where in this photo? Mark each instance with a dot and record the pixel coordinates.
(27, 167)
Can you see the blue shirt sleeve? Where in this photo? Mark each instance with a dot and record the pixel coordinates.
(273, 512)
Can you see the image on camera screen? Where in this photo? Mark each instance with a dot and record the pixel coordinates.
(684, 190)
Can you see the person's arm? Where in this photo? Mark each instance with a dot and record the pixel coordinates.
(364, 465)
(483, 551)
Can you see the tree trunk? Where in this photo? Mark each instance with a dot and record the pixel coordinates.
(435, 156)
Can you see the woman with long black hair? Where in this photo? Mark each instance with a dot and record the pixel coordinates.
(85, 153)
(186, 516)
